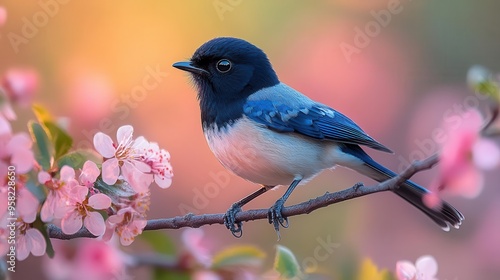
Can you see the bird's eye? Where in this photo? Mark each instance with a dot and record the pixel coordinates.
(223, 65)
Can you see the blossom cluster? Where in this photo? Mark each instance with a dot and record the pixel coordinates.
(108, 194)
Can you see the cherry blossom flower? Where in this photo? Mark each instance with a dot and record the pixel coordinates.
(79, 211)
(124, 158)
(126, 224)
(85, 259)
(193, 241)
(463, 157)
(159, 161)
(89, 174)
(29, 240)
(55, 203)
(425, 268)
(16, 150)
(27, 204)
(21, 84)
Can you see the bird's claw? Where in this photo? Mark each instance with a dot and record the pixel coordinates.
(275, 217)
(230, 221)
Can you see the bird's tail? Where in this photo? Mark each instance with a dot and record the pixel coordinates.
(445, 215)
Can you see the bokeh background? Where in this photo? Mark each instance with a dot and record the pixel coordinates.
(93, 56)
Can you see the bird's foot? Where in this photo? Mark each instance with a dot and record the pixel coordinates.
(275, 217)
(230, 220)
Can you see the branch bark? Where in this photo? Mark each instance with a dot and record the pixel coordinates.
(195, 221)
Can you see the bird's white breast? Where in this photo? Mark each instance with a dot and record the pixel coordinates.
(266, 157)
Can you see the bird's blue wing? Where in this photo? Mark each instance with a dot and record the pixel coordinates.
(316, 121)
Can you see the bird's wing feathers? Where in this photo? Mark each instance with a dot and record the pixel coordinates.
(312, 120)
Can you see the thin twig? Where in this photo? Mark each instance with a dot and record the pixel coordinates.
(195, 221)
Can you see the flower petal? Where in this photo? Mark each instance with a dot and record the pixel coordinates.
(405, 270)
(110, 171)
(44, 177)
(23, 160)
(38, 244)
(162, 181)
(67, 173)
(94, 222)
(485, 154)
(71, 223)
(138, 180)
(124, 134)
(99, 201)
(427, 266)
(23, 247)
(104, 145)
(78, 194)
(90, 172)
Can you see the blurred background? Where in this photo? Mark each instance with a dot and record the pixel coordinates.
(395, 67)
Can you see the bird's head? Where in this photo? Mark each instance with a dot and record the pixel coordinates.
(228, 69)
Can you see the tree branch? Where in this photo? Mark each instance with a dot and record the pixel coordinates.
(195, 221)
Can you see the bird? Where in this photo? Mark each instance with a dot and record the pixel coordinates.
(270, 134)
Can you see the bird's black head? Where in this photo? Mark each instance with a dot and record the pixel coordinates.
(226, 71)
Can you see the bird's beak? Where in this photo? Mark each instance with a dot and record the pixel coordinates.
(188, 66)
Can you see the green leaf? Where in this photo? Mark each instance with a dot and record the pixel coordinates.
(159, 241)
(286, 264)
(77, 158)
(43, 151)
(36, 189)
(61, 140)
(161, 274)
(243, 256)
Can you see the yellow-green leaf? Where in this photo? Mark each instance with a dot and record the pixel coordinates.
(41, 114)
(369, 271)
(61, 140)
(286, 264)
(43, 150)
(238, 256)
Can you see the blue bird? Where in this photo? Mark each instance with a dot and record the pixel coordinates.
(268, 133)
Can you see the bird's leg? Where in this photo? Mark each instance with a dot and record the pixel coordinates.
(274, 214)
(230, 217)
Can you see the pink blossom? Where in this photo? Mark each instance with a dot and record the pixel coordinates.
(16, 150)
(27, 205)
(463, 157)
(425, 268)
(57, 198)
(5, 129)
(21, 84)
(29, 240)
(89, 174)
(159, 161)
(79, 211)
(193, 241)
(124, 157)
(126, 224)
(3, 16)
(85, 259)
